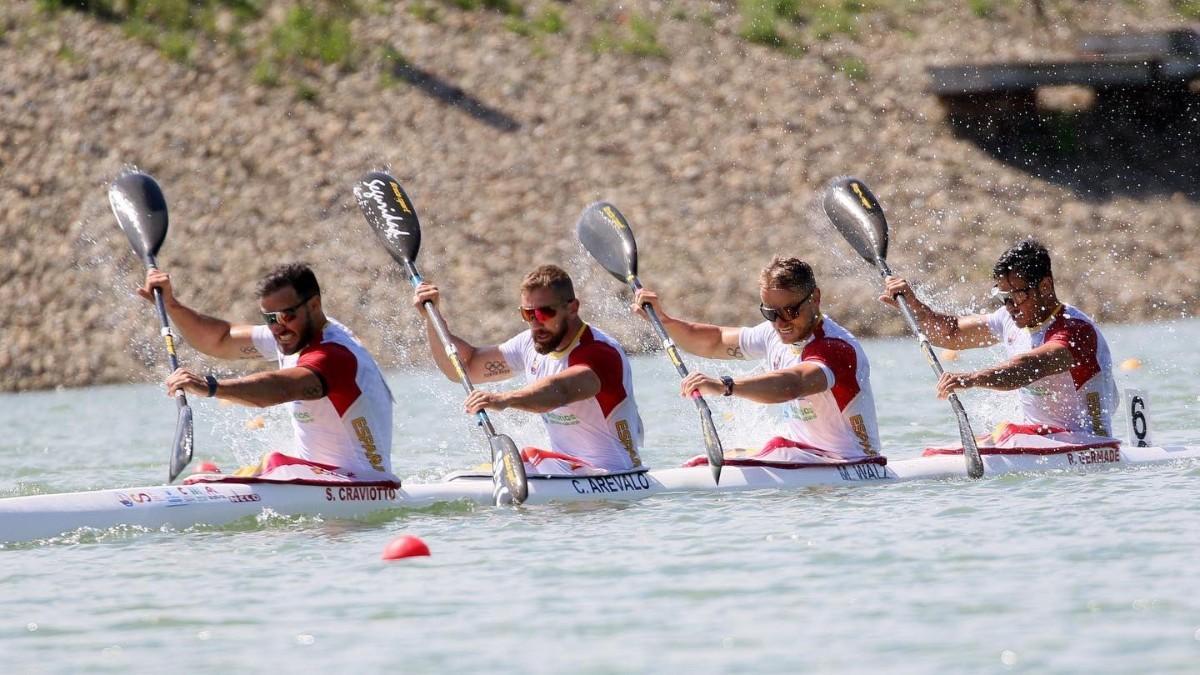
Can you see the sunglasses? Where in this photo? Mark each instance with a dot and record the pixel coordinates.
(1005, 297)
(541, 314)
(786, 313)
(284, 315)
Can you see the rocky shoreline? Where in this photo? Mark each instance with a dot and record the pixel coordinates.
(714, 150)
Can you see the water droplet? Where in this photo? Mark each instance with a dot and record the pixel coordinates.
(204, 635)
(31, 626)
(1008, 657)
(305, 639)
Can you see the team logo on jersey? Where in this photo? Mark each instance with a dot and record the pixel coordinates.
(557, 418)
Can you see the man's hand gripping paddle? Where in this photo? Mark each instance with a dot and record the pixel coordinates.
(390, 213)
(605, 234)
(141, 211)
(857, 215)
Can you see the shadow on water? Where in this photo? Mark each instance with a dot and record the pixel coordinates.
(454, 96)
(1121, 143)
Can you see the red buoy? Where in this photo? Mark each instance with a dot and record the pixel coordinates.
(207, 467)
(404, 546)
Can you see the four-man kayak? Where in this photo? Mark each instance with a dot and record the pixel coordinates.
(208, 500)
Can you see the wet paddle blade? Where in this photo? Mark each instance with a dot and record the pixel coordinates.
(606, 236)
(856, 213)
(141, 210)
(181, 449)
(390, 213)
(712, 442)
(970, 448)
(508, 471)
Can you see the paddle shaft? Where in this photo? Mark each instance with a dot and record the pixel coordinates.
(443, 333)
(712, 443)
(970, 450)
(168, 336)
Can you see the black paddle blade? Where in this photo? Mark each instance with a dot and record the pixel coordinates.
(605, 234)
(181, 449)
(856, 213)
(141, 211)
(390, 213)
(508, 471)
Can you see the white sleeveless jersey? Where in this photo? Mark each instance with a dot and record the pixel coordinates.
(1082, 399)
(840, 419)
(605, 430)
(351, 426)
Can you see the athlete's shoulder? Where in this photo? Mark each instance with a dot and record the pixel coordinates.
(591, 334)
(832, 330)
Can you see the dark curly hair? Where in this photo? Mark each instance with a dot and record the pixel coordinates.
(1027, 259)
(297, 275)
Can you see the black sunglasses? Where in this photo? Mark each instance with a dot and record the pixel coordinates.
(786, 313)
(286, 314)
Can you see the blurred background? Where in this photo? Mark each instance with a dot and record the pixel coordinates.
(712, 125)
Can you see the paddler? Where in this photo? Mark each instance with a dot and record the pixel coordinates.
(816, 368)
(340, 406)
(1057, 357)
(576, 377)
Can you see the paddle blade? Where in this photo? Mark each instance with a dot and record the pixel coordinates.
(605, 234)
(390, 213)
(856, 213)
(181, 449)
(508, 471)
(712, 442)
(970, 448)
(141, 211)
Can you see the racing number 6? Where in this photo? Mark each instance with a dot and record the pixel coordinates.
(1139, 425)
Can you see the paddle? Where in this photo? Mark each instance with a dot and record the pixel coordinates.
(605, 234)
(141, 211)
(856, 213)
(389, 212)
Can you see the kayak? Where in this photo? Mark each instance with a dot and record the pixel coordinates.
(212, 500)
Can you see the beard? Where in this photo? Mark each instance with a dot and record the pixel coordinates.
(303, 337)
(549, 344)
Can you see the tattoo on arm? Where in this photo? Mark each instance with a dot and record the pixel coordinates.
(735, 353)
(312, 391)
(250, 352)
(493, 368)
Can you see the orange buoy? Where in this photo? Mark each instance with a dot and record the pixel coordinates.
(405, 546)
(1131, 364)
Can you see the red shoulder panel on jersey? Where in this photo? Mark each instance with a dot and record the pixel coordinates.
(1080, 337)
(840, 357)
(606, 362)
(337, 366)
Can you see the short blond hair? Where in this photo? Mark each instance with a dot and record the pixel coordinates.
(788, 274)
(553, 277)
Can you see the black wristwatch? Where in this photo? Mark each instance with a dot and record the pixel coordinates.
(728, 382)
(212, 385)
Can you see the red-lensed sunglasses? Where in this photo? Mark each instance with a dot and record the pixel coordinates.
(542, 314)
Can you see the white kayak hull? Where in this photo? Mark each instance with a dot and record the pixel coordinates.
(180, 506)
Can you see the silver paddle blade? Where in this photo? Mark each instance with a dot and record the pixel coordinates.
(605, 234)
(970, 448)
(181, 449)
(712, 442)
(141, 211)
(856, 213)
(390, 213)
(508, 472)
